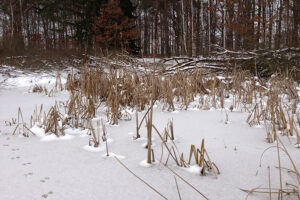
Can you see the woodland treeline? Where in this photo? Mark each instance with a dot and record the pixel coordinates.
(147, 27)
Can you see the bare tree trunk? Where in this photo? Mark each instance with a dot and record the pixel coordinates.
(258, 24)
(296, 12)
(209, 31)
(146, 46)
(224, 28)
(202, 28)
(161, 38)
(288, 23)
(21, 18)
(183, 29)
(192, 27)
(166, 27)
(12, 18)
(278, 42)
(270, 25)
(264, 24)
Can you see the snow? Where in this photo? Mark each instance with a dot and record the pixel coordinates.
(112, 155)
(194, 169)
(144, 163)
(93, 149)
(52, 137)
(73, 131)
(66, 167)
(47, 138)
(38, 131)
(12, 77)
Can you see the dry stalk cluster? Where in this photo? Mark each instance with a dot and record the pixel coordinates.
(284, 191)
(200, 156)
(49, 92)
(96, 137)
(270, 102)
(276, 108)
(21, 126)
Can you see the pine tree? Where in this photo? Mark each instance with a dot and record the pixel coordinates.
(85, 13)
(114, 30)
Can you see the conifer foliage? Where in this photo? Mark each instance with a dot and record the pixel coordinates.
(113, 29)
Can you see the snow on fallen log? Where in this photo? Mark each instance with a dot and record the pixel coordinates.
(262, 62)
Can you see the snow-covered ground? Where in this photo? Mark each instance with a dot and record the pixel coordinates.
(42, 166)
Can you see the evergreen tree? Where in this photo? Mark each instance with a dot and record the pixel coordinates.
(85, 13)
(128, 10)
(115, 30)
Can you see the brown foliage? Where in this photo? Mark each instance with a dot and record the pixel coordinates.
(113, 29)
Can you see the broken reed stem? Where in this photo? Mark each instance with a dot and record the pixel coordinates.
(104, 138)
(162, 139)
(250, 191)
(140, 179)
(266, 191)
(28, 129)
(269, 183)
(149, 139)
(162, 153)
(260, 161)
(186, 182)
(137, 125)
(210, 163)
(279, 166)
(280, 191)
(294, 166)
(177, 188)
(144, 117)
(171, 125)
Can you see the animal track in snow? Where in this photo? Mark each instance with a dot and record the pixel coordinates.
(13, 158)
(29, 163)
(46, 195)
(28, 174)
(45, 179)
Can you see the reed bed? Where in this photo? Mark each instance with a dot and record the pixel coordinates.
(271, 102)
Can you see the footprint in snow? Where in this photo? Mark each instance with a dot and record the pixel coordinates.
(13, 158)
(45, 179)
(17, 149)
(29, 163)
(28, 174)
(46, 195)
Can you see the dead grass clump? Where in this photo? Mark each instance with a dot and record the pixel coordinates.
(54, 122)
(37, 89)
(95, 139)
(201, 156)
(21, 126)
(202, 159)
(291, 191)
